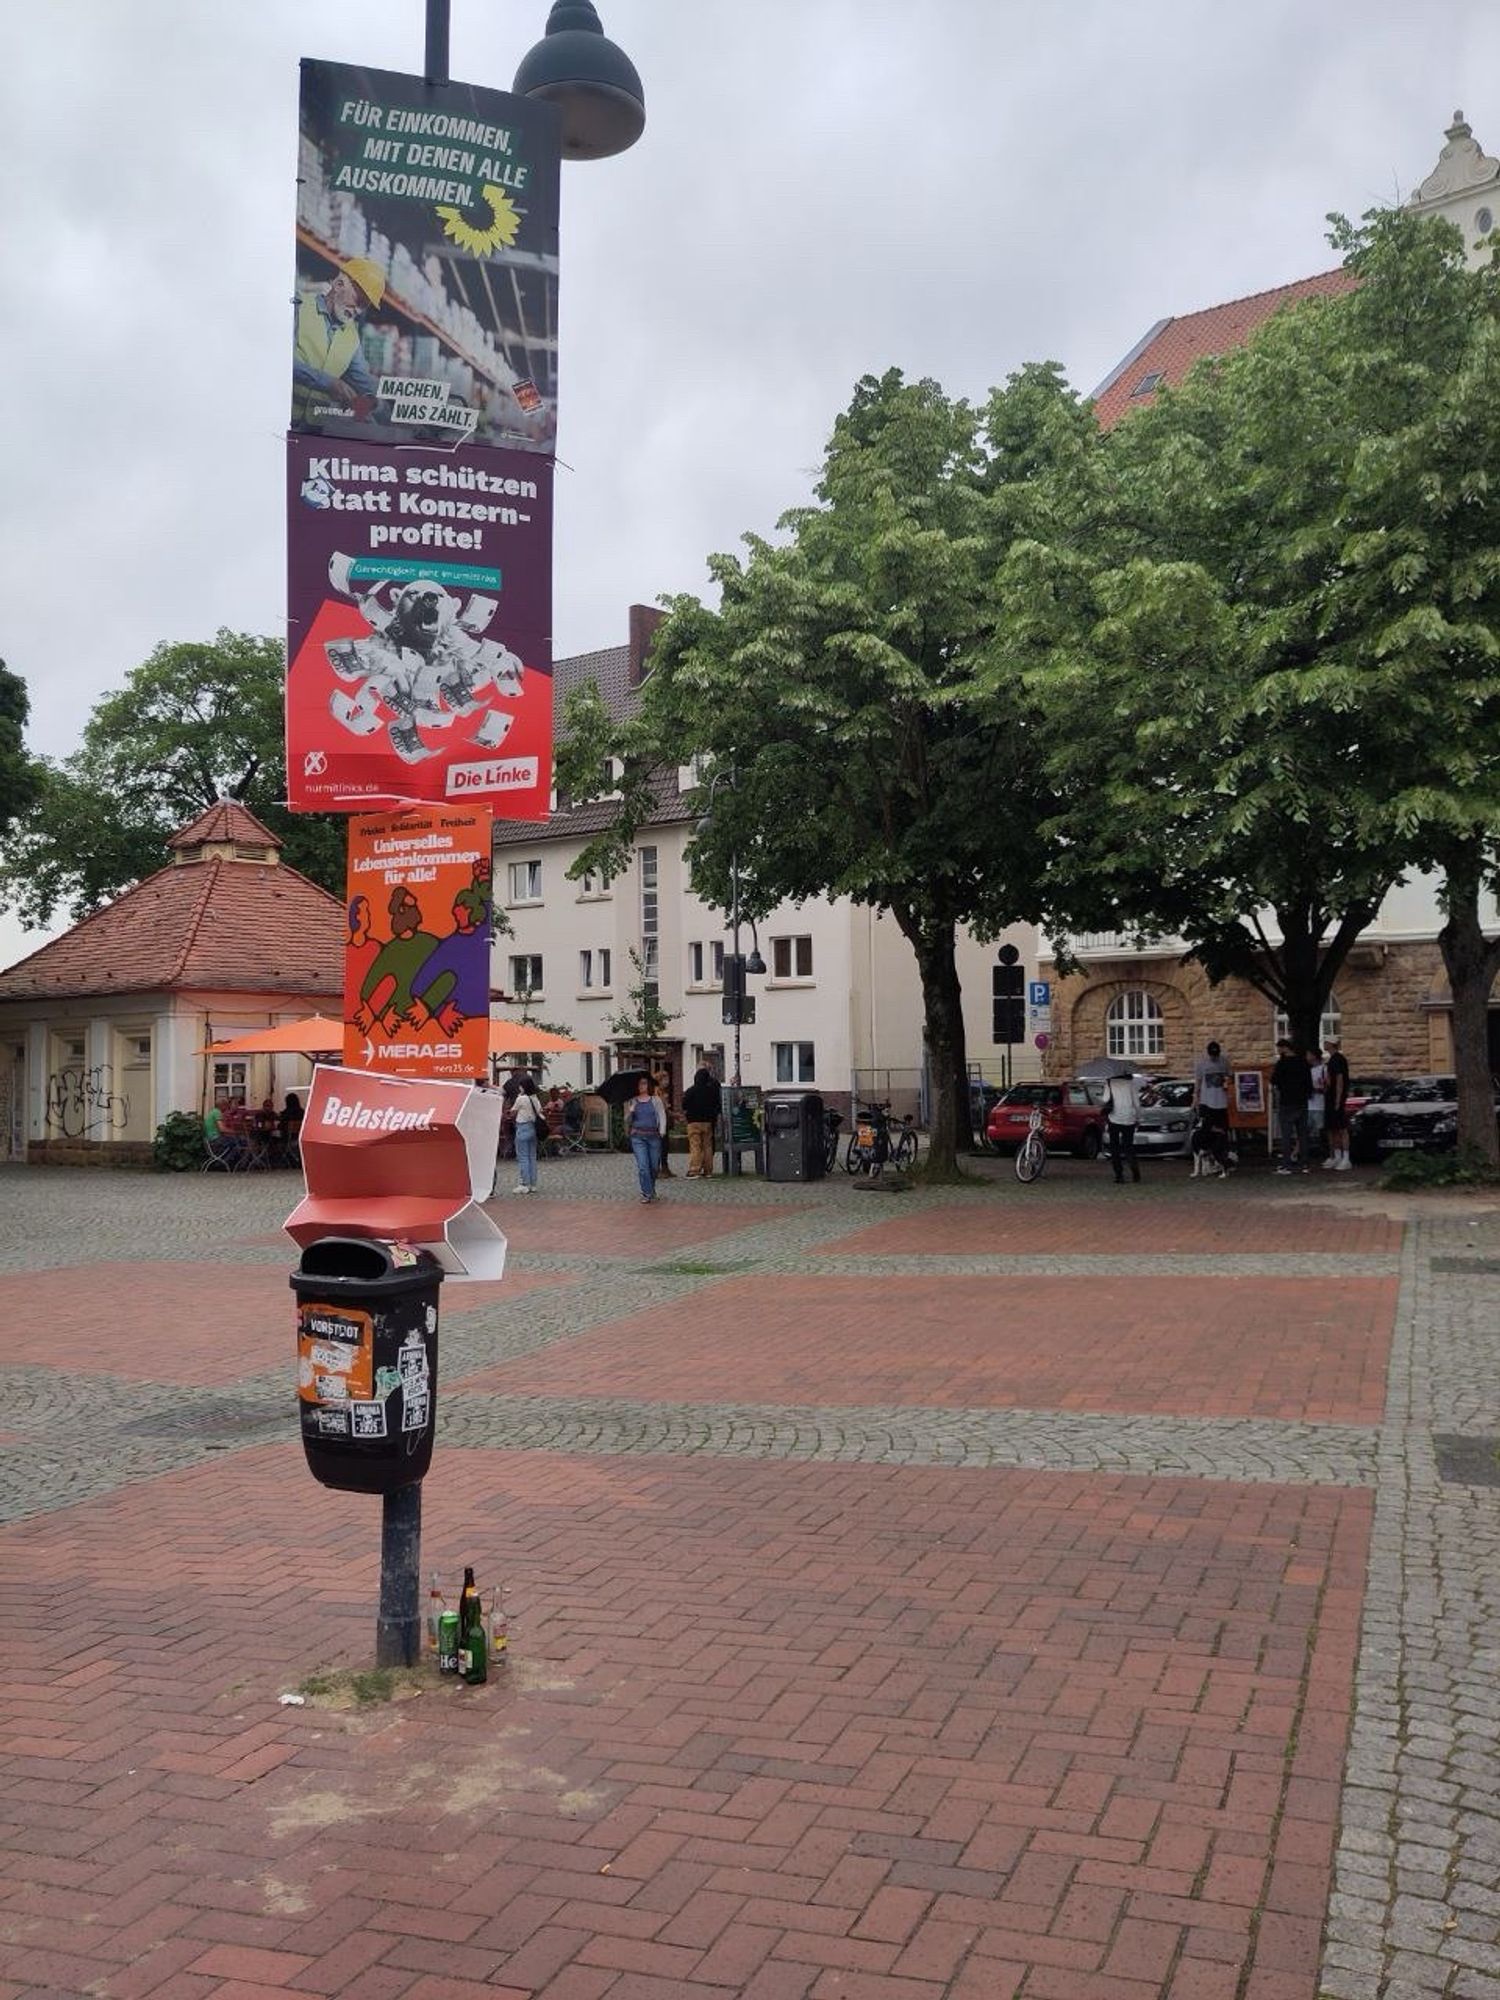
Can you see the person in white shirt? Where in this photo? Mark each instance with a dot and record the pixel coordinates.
(1211, 1075)
(1122, 1109)
(530, 1123)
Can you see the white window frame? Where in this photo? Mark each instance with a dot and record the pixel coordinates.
(716, 959)
(519, 985)
(605, 957)
(525, 883)
(695, 963)
(1135, 1028)
(795, 1062)
(798, 953)
(593, 888)
(1330, 1026)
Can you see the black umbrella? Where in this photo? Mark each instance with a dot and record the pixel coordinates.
(620, 1088)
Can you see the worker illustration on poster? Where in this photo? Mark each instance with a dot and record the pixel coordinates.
(426, 302)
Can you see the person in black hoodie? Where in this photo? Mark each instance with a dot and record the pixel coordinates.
(1291, 1081)
(702, 1103)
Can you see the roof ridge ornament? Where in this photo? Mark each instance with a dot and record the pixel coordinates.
(1462, 166)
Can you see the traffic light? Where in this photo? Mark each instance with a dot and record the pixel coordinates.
(1008, 987)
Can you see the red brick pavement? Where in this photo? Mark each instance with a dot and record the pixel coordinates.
(1189, 1346)
(771, 1730)
(1223, 1222)
(175, 1322)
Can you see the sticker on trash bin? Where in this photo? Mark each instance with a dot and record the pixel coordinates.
(335, 1353)
(402, 1254)
(414, 1410)
(386, 1380)
(413, 1360)
(369, 1419)
(326, 1423)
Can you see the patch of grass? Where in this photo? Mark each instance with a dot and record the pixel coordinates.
(1407, 1172)
(363, 1687)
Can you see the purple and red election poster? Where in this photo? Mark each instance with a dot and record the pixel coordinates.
(419, 622)
(419, 463)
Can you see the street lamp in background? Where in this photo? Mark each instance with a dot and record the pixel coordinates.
(575, 66)
(738, 1006)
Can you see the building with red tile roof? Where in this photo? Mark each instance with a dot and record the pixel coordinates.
(1162, 357)
(102, 1030)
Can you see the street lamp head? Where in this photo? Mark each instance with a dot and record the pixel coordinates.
(592, 82)
(755, 963)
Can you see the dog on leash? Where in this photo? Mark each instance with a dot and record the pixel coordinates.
(1213, 1155)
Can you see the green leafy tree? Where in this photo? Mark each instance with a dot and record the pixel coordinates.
(195, 723)
(1208, 690)
(20, 773)
(838, 688)
(1419, 580)
(645, 1021)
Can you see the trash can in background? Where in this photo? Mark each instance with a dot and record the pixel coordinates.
(367, 1327)
(795, 1135)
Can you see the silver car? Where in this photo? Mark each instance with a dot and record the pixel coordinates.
(1166, 1121)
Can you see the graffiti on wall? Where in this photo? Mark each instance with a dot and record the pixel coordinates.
(80, 1101)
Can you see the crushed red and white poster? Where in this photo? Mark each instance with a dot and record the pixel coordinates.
(417, 955)
(404, 1161)
(419, 618)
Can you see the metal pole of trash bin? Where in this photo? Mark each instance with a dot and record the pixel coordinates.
(398, 1629)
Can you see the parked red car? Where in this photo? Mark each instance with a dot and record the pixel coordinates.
(1072, 1117)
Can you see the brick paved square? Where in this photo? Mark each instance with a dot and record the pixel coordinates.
(187, 1323)
(897, 1729)
(630, 1229)
(1215, 1222)
(1187, 1346)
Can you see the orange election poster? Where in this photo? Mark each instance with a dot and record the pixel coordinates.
(417, 957)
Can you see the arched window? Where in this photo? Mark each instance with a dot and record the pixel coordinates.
(1134, 1026)
(1332, 1022)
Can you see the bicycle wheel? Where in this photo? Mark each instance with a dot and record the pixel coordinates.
(854, 1156)
(904, 1154)
(1031, 1159)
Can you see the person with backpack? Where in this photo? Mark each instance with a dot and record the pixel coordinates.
(702, 1103)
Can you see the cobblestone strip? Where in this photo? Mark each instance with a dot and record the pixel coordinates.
(1416, 1903)
(1176, 1447)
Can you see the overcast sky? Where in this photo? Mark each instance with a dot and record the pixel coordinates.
(824, 188)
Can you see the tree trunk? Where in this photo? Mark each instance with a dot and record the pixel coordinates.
(1471, 961)
(935, 942)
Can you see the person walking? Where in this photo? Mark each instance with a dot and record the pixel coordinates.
(1336, 1106)
(1122, 1110)
(702, 1103)
(1211, 1075)
(530, 1116)
(646, 1129)
(1318, 1070)
(1291, 1086)
(664, 1098)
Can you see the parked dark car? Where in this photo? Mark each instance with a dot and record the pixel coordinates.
(1411, 1114)
(1072, 1117)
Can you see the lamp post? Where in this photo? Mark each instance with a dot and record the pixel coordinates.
(575, 66)
(596, 88)
(736, 966)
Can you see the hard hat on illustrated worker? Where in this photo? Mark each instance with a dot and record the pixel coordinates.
(330, 377)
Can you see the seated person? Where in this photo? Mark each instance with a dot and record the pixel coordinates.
(572, 1114)
(221, 1135)
(554, 1110)
(289, 1124)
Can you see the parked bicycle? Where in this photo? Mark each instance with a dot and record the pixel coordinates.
(832, 1121)
(877, 1142)
(1031, 1154)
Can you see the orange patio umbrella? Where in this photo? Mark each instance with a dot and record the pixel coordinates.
(317, 1035)
(313, 1035)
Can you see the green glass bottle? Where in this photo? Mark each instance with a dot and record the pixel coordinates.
(473, 1651)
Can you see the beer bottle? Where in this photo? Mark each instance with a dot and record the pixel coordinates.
(437, 1604)
(473, 1665)
(499, 1628)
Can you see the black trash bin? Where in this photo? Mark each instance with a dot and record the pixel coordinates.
(795, 1135)
(367, 1325)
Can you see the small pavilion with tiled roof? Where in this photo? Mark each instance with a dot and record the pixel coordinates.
(101, 1031)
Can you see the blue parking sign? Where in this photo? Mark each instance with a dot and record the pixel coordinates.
(1039, 993)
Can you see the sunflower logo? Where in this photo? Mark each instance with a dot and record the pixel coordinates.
(504, 224)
